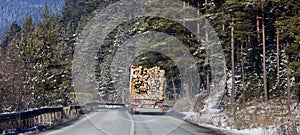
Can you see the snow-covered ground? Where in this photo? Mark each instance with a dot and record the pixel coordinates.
(251, 118)
(194, 118)
(221, 121)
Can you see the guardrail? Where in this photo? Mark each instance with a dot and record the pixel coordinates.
(109, 104)
(95, 106)
(42, 117)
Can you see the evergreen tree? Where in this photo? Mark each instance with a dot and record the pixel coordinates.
(288, 25)
(51, 68)
(10, 35)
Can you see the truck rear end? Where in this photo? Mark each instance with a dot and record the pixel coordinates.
(146, 90)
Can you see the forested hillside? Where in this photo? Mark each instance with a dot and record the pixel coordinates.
(36, 57)
(260, 39)
(18, 10)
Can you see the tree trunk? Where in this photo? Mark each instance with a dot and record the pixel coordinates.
(298, 88)
(257, 28)
(264, 54)
(207, 75)
(278, 57)
(225, 69)
(174, 88)
(206, 58)
(223, 24)
(232, 68)
(288, 81)
(198, 23)
(243, 71)
(191, 87)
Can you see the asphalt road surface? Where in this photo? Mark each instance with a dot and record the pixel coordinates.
(120, 122)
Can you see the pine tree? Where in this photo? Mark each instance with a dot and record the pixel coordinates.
(48, 55)
(288, 25)
(10, 35)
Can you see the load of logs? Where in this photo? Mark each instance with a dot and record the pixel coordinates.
(148, 83)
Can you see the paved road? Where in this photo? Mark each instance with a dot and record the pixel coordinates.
(120, 122)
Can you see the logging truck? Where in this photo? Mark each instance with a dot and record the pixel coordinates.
(146, 90)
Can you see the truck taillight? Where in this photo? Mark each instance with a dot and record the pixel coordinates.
(158, 100)
(135, 106)
(160, 106)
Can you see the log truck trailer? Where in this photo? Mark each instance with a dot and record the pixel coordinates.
(146, 90)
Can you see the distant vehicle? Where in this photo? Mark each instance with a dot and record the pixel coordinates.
(146, 90)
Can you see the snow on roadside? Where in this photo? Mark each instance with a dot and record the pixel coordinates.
(252, 131)
(219, 119)
(211, 113)
(212, 116)
(228, 130)
(192, 116)
(189, 115)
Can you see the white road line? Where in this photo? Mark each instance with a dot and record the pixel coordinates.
(132, 124)
(74, 124)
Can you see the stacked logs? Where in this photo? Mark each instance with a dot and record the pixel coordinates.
(148, 83)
